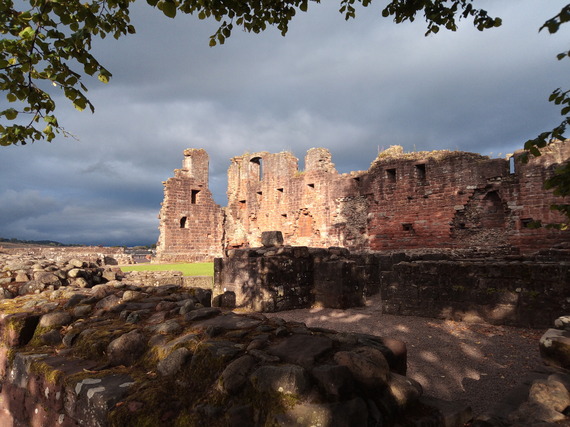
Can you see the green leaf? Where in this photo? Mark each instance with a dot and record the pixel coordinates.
(534, 150)
(103, 77)
(27, 33)
(169, 8)
(11, 97)
(80, 104)
(10, 113)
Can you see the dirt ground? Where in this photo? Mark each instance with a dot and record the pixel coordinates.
(478, 363)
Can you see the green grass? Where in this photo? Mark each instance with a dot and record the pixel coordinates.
(187, 269)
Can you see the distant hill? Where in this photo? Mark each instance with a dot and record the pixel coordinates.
(32, 242)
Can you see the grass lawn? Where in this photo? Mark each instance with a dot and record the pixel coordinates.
(187, 269)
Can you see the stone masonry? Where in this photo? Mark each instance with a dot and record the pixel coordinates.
(190, 221)
(439, 199)
(523, 291)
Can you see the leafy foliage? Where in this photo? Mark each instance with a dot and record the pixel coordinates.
(45, 45)
(560, 182)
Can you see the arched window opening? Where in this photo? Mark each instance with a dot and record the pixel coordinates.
(493, 211)
(183, 222)
(256, 166)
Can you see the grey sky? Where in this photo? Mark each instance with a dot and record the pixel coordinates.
(353, 87)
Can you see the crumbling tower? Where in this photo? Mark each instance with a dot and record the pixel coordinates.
(190, 221)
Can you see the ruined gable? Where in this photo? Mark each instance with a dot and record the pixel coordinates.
(190, 221)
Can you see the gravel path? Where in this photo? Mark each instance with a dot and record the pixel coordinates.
(479, 363)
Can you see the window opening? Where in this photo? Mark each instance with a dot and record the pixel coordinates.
(284, 215)
(357, 179)
(311, 185)
(391, 175)
(257, 167)
(280, 190)
(421, 171)
(194, 196)
(183, 222)
(407, 226)
(512, 165)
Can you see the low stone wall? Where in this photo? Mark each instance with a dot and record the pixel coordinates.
(284, 278)
(158, 278)
(460, 285)
(518, 293)
(91, 254)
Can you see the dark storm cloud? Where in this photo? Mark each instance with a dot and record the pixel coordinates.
(354, 87)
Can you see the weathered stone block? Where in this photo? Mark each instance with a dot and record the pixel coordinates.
(270, 239)
(555, 348)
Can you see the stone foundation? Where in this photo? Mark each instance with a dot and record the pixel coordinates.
(285, 278)
(459, 285)
(518, 293)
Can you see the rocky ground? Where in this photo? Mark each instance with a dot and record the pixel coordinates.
(83, 344)
(478, 363)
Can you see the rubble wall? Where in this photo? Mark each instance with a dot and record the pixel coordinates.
(286, 278)
(115, 352)
(516, 293)
(95, 254)
(513, 290)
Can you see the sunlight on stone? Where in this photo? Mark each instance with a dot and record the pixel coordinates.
(429, 356)
(471, 350)
(472, 374)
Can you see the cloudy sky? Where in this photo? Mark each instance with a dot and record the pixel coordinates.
(353, 87)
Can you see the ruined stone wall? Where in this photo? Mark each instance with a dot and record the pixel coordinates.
(415, 197)
(525, 293)
(528, 201)
(313, 207)
(96, 254)
(438, 199)
(190, 221)
(286, 278)
(511, 290)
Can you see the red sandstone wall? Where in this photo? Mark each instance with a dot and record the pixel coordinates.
(438, 199)
(530, 201)
(190, 221)
(305, 206)
(416, 198)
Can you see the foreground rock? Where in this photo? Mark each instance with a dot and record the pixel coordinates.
(117, 354)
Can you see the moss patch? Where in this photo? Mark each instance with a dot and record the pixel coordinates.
(92, 341)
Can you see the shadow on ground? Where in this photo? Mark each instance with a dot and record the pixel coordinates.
(479, 363)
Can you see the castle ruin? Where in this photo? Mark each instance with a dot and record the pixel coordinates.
(438, 199)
